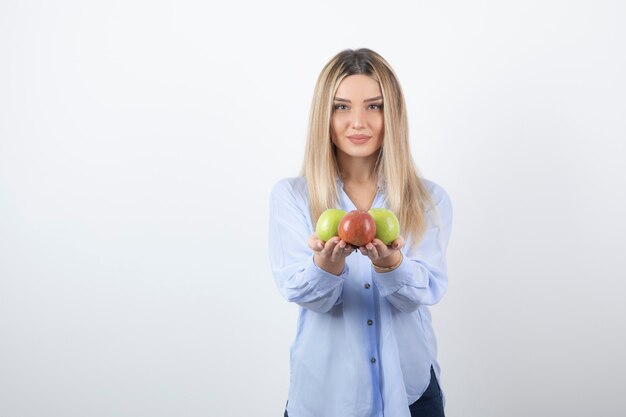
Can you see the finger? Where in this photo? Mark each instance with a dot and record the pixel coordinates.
(338, 251)
(329, 247)
(372, 251)
(348, 249)
(314, 243)
(398, 243)
(381, 249)
(366, 250)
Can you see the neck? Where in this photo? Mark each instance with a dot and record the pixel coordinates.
(357, 169)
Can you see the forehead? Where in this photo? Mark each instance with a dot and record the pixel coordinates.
(358, 87)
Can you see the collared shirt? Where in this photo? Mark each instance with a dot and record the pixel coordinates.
(364, 343)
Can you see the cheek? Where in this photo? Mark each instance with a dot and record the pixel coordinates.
(337, 124)
(339, 120)
(378, 124)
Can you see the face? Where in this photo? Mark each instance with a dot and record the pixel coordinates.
(357, 120)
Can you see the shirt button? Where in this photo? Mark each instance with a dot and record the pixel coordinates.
(370, 322)
(367, 286)
(373, 360)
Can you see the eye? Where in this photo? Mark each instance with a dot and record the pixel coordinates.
(375, 106)
(341, 107)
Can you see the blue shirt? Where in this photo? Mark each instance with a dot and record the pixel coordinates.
(364, 343)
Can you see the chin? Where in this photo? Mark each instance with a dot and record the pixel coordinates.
(357, 151)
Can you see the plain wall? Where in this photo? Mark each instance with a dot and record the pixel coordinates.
(139, 141)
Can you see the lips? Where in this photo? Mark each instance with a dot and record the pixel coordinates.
(358, 138)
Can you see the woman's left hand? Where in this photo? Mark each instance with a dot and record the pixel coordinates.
(378, 252)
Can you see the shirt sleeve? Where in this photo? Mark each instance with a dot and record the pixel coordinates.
(421, 278)
(297, 277)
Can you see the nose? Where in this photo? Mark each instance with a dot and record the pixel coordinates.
(357, 119)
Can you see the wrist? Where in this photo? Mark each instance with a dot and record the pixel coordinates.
(388, 263)
(335, 268)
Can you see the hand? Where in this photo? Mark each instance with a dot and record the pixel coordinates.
(334, 250)
(381, 254)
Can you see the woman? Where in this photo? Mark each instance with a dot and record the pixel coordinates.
(364, 344)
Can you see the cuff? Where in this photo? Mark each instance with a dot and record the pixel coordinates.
(405, 274)
(324, 279)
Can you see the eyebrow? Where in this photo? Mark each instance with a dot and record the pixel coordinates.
(365, 101)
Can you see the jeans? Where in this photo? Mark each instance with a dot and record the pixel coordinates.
(430, 404)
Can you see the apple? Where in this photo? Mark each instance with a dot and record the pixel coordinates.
(387, 225)
(357, 228)
(328, 223)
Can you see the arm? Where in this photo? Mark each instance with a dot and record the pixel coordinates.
(297, 277)
(421, 277)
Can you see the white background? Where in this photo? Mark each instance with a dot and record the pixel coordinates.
(138, 144)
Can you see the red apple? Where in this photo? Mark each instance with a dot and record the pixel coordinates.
(357, 228)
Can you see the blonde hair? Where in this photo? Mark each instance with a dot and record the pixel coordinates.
(405, 193)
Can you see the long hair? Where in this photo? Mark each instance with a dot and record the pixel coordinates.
(405, 193)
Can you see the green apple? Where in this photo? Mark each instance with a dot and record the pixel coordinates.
(387, 225)
(328, 223)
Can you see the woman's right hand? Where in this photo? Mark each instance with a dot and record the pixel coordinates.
(330, 255)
